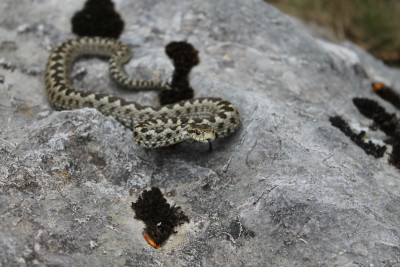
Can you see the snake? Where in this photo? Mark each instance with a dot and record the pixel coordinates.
(196, 120)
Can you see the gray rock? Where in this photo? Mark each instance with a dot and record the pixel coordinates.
(286, 189)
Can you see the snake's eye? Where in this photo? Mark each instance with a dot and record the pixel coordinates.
(197, 132)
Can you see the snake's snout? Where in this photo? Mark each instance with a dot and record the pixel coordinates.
(202, 133)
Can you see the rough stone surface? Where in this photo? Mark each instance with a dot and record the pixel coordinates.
(286, 189)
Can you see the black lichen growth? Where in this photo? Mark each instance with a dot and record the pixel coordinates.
(369, 148)
(98, 18)
(237, 229)
(184, 57)
(160, 218)
(388, 123)
(387, 94)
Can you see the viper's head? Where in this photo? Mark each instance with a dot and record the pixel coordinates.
(201, 133)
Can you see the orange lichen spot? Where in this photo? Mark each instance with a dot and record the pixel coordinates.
(150, 241)
(377, 87)
(27, 112)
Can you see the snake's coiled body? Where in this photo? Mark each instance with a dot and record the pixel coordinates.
(201, 119)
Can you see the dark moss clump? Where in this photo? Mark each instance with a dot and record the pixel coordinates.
(160, 218)
(387, 94)
(388, 123)
(98, 18)
(175, 95)
(184, 57)
(369, 148)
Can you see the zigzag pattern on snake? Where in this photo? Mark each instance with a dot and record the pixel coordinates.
(200, 120)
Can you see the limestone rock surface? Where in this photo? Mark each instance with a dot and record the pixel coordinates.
(286, 189)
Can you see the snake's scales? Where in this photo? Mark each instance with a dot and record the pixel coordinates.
(201, 119)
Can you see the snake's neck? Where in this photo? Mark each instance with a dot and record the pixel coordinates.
(152, 136)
